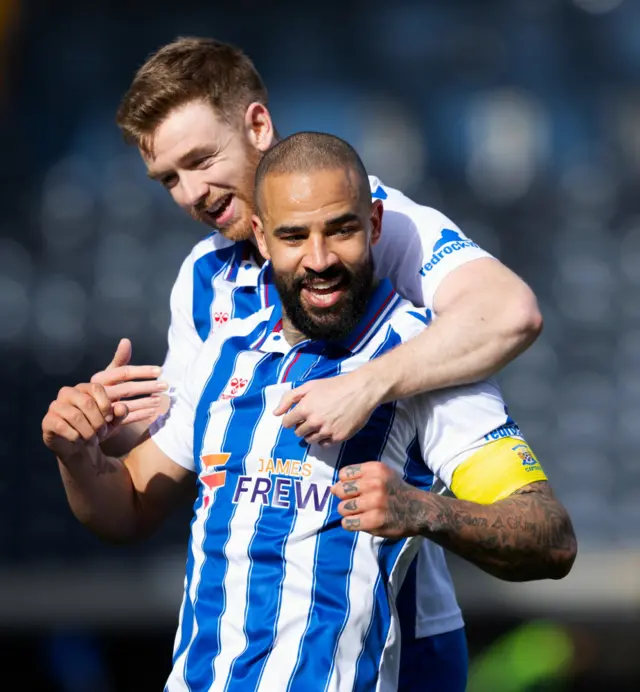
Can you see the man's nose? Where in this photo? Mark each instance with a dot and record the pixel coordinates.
(195, 190)
(319, 256)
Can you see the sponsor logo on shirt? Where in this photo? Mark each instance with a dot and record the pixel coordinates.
(505, 430)
(284, 485)
(379, 193)
(234, 387)
(279, 483)
(508, 429)
(449, 242)
(220, 318)
(212, 476)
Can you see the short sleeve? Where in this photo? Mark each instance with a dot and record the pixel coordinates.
(173, 432)
(184, 343)
(455, 423)
(418, 247)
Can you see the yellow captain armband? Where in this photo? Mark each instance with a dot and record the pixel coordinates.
(496, 471)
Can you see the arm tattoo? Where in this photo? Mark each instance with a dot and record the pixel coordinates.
(528, 535)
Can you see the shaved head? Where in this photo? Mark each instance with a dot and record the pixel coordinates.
(316, 223)
(309, 152)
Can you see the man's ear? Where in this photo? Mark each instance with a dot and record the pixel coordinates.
(259, 126)
(376, 220)
(258, 231)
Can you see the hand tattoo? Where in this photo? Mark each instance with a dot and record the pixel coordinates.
(350, 487)
(404, 504)
(351, 471)
(352, 524)
(351, 506)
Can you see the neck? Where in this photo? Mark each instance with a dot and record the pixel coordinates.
(291, 335)
(255, 253)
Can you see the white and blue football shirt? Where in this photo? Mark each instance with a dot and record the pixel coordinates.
(278, 596)
(220, 280)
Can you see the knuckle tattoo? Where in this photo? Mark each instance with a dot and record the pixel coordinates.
(350, 487)
(352, 524)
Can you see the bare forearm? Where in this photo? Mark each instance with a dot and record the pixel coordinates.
(101, 495)
(524, 537)
(486, 316)
(458, 348)
(125, 439)
(449, 353)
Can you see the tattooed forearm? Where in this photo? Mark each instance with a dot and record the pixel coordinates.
(525, 536)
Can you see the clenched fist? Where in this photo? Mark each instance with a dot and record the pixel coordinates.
(375, 499)
(81, 417)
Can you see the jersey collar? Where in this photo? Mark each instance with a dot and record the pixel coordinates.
(383, 301)
(243, 269)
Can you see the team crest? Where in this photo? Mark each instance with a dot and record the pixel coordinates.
(525, 454)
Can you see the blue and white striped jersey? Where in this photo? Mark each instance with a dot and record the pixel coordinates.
(278, 596)
(220, 281)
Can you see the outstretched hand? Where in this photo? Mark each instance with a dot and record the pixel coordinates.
(138, 384)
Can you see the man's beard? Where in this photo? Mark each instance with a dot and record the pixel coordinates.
(240, 228)
(338, 321)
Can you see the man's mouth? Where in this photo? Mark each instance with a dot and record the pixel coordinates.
(221, 212)
(323, 293)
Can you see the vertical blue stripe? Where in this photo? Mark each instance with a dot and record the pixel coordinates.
(211, 605)
(406, 603)
(331, 606)
(246, 301)
(266, 552)
(416, 471)
(213, 388)
(269, 543)
(368, 664)
(205, 270)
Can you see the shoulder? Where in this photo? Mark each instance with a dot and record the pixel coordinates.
(213, 244)
(211, 253)
(407, 320)
(250, 326)
(403, 213)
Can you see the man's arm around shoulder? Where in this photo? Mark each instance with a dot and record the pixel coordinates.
(485, 316)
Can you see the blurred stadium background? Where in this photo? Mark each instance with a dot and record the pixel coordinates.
(520, 119)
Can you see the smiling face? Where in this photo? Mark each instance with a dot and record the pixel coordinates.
(208, 165)
(317, 230)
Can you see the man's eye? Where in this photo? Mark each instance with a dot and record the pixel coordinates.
(345, 231)
(169, 181)
(204, 162)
